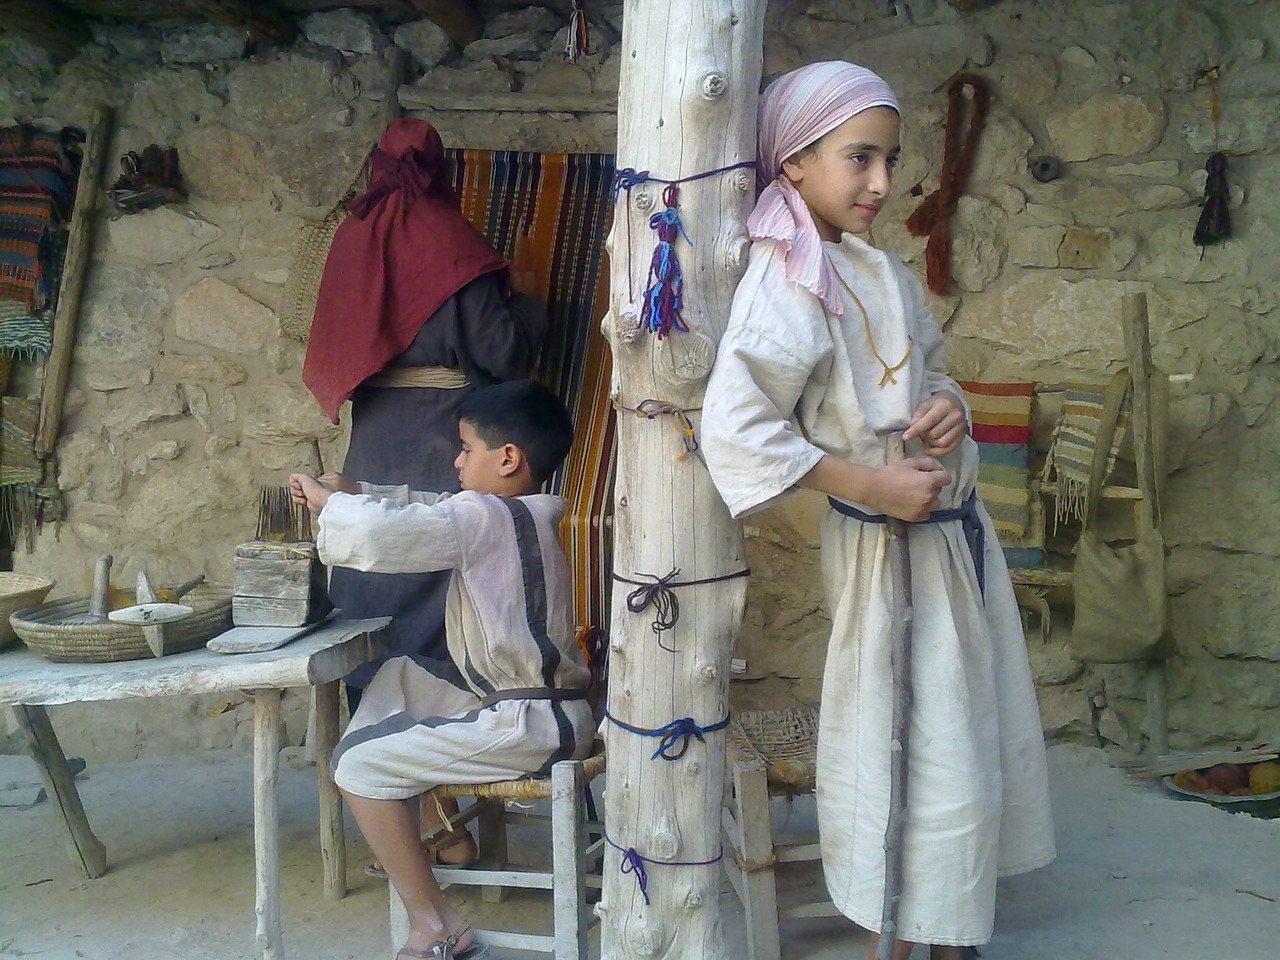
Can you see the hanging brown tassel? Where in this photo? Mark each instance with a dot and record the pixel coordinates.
(933, 217)
(1214, 225)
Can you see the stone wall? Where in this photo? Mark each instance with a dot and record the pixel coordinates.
(185, 395)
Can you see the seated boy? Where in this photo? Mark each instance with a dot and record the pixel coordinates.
(512, 702)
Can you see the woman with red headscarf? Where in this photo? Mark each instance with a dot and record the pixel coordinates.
(415, 311)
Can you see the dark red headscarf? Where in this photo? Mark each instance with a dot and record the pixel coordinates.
(403, 251)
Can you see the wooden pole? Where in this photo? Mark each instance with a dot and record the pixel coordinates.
(74, 268)
(266, 822)
(899, 561)
(687, 99)
(1146, 454)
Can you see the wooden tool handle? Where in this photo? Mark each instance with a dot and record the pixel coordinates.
(896, 448)
(189, 586)
(101, 583)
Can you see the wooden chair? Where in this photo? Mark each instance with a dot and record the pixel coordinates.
(576, 849)
(770, 753)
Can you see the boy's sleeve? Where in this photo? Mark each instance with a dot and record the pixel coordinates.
(399, 494)
(391, 534)
(752, 447)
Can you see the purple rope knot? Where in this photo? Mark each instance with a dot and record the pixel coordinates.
(625, 179)
(632, 862)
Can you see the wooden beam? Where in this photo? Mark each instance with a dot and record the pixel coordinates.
(415, 98)
(74, 267)
(59, 31)
(455, 17)
(687, 99)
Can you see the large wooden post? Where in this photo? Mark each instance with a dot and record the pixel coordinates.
(687, 101)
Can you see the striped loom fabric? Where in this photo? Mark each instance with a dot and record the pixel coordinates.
(35, 193)
(561, 202)
(1002, 429)
(1075, 438)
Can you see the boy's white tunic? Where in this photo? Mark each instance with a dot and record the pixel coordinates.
(493, 713)
(791, 383)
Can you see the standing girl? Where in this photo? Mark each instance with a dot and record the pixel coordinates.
(830, 348)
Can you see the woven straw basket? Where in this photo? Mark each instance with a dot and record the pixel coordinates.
(18, 591)
(44, 629)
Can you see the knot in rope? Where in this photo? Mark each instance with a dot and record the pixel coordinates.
(675, 734)
(625, 179)
(666, 605)
(632, 862)
(652, 409)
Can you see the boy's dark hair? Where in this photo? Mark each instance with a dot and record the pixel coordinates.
(527, 414)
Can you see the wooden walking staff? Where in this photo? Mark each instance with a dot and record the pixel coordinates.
(687, 105)
(898, 556)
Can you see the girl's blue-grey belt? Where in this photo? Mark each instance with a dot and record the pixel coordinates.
(532, 693)
(970, 523)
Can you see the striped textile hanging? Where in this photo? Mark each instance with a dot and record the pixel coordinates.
(36, 185)
(1001, 414)
(562, 203)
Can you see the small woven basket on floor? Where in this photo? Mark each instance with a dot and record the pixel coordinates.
(17, 592)
(44, 629)
(784, 742)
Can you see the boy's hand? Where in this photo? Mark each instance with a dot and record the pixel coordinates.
(307, 491)
(939, 423)
(908, 489)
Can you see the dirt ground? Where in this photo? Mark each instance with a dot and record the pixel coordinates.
(1139, 876)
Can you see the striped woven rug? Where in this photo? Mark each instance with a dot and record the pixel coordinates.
(561, 202)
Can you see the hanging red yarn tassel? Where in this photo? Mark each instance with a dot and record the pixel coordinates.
(933, 217)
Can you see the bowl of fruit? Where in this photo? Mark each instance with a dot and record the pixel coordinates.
(1252, 788)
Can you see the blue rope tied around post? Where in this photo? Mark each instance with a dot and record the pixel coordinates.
(678, 733)
(633, 862)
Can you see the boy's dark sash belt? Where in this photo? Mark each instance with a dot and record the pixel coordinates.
(532, 693)
(970, 523)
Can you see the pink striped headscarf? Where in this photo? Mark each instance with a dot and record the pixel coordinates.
(796, 110)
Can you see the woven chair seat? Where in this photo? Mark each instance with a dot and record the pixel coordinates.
(784, 742)
(529, 788)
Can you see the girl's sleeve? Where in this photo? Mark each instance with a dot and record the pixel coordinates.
(395, 533)
(755, 451)
(928, 336)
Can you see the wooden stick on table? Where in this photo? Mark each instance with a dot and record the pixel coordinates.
(74, 268)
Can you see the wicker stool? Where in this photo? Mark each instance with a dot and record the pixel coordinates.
(770, 752)
(571, 855)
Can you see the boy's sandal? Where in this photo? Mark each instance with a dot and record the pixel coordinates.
(446, 949)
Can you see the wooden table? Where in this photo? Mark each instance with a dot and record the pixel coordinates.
(29, 683)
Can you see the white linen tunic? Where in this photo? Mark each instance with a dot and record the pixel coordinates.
(490, 714)
(792, 383)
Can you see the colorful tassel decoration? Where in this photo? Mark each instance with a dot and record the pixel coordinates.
(664, 295)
